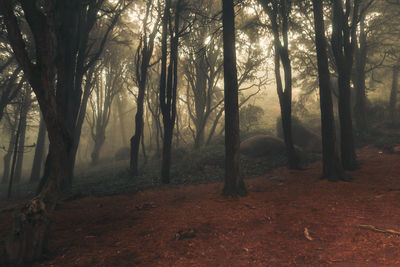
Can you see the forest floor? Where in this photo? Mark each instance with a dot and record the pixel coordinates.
(289, 218)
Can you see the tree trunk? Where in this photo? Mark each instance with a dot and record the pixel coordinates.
(7, 157)
(98, 144)
(121, 116)
(135, 140)
(39, 152)
(14, 155)
(278, 13)
(166, 152)
(234, 184)
(360, 63)
(346, 125)
(343, 50)
(393, 94)
(21, 145)
(332, 169)
(169, 83)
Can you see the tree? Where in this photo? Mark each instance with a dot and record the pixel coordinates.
(394, 91)
(107, 84)
(169, 79)
(11, 125)
(360, 56)
(30, 228)
(26, 103)
(202, 66)
(234, 184)
(332, 169)
(9, 88)
(39, 152)
(278, 12)
(343, 51)
(55, 27)
(143, 55)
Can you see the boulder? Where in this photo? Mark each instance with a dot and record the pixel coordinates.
(262, 145)
(302, 136)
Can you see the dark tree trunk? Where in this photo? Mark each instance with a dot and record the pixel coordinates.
(359, 82)
(332, 169)
(21, 142)
(143, 55)
(9, 89)
(343, 48)
(121, 120)
(346, 125)
(278, 13)
(168, 83)
(393, 93)
(27, 239)
(98, 144)
(14, 155)
(39, 152)
(9, 153)
(234, 184)
(135, 140)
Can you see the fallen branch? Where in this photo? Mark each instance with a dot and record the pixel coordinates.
(375, 229)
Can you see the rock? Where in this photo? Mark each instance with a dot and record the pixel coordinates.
(262, 145)
(302, 136)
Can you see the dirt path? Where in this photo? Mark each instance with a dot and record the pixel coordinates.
(267, 228)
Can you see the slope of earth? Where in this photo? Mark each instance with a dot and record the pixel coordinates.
(290, 218)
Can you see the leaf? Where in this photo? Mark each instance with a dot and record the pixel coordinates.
(307, 234)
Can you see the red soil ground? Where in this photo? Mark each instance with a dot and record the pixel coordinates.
(267, 228)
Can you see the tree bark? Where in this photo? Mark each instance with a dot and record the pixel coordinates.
(331, 169)
(21, 143)
(393, 93)
(279, 11)
(343, 49)
(39, 152)
(143, 56)
(9, 152)
(27, 240)
(98, 144)
(360, 63)
(234, 184)
(169, 83)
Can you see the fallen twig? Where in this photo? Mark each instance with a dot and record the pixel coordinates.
(375, 229)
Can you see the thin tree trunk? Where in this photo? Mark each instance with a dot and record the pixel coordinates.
(279, 13)
(7, 157)
(98, 144)
(168, 84)
(393, 94)
(234, 184)
(15, 153)
(39, 152)
(21, 145)
(332, 168)
(143, 55)
(360, 63)
(121, 116)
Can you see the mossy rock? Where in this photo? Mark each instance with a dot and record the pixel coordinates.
(262, 145)
(302, 136)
